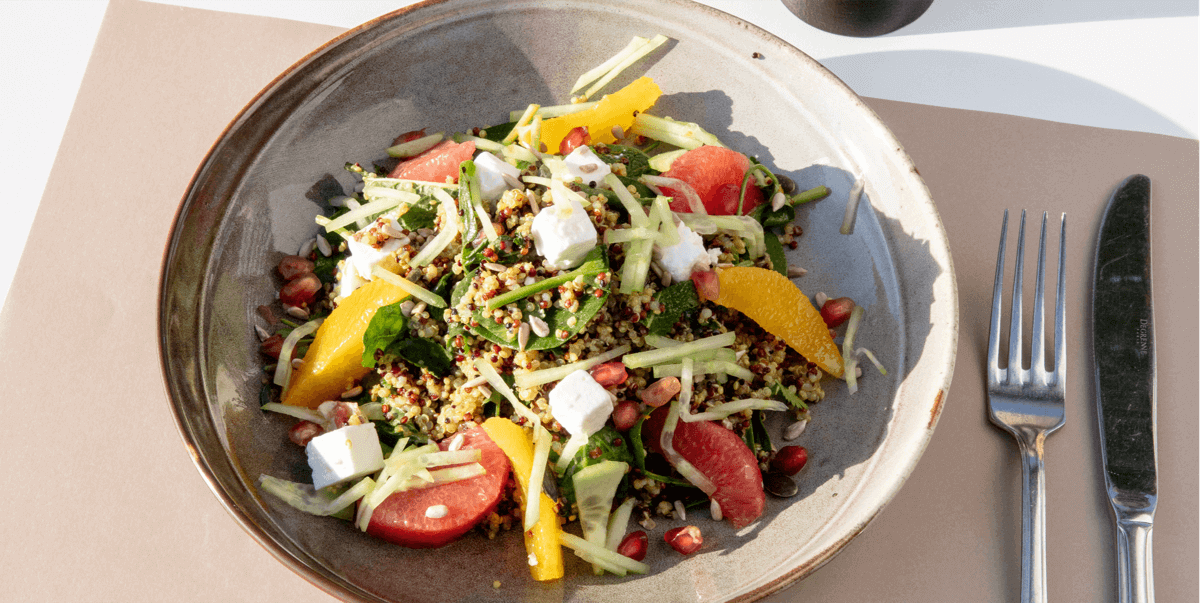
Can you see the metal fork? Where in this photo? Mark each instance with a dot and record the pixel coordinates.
(1029, 404)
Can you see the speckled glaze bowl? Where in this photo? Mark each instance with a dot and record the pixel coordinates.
(455, 64)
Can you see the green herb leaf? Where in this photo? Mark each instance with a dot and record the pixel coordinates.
(786, 394)
(386, 326)
(419, 215)
(424, 353)
(676, 299)
(775, 252)
(636, 162)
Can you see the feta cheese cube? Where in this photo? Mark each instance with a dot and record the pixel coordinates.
(583, 163)
(344, 454)
(363, 257)
(563, 233)
(580, 404)
(491, 171)
(348, 281)
(685, 256)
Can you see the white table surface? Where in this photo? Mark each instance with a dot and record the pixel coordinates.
(1105, 63)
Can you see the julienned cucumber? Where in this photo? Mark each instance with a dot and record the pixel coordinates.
(595, 487)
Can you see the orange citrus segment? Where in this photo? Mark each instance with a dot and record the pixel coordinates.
(541, 541)
(333, 362)
(778, 306)
(616, 109)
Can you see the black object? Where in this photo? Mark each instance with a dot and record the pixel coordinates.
(858, 18)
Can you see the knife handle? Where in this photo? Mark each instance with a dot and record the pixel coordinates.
(1135, 567)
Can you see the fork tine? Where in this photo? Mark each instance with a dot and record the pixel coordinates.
(1037, 361)
(994, 332)
(1016, 317)
(1060, 311)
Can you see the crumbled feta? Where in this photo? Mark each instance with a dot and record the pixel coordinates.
(685, 256)
(344, 454)
(583, 163)
(491, 171)
(364, 257)
(579, 404)
(563, 233)
(348, 281)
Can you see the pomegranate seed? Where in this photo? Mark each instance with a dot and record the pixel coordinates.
(837, 311)
(685, 540)
(634, 546)
(272, 345)
(708, 286)
(609, 374)
(626, 415)
(302, 432)
(300, 291)
(660, 392)
(294, 266)
(575, 138)
(790, 459)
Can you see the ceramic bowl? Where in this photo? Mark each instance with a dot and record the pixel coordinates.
(456, 64)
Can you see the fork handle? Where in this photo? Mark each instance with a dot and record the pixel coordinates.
(1135, 571)
(1033, 518)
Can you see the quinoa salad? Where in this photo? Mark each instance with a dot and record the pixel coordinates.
(573, 323)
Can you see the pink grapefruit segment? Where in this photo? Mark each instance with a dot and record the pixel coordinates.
(401, 518)
(715, 173)
(723, 458)
(436, 164)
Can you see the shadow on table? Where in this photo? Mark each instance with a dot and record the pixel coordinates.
(996, 84)
(969, 15)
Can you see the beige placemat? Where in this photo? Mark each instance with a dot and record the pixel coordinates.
(102, 502)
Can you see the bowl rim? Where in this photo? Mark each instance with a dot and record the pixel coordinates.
(341, 588)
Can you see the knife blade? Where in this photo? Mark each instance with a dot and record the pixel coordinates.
(1126, 381)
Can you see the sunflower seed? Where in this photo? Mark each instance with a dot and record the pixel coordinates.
(296, 362)
(715, 509)
(392, 229)
(533, 203)
(306, 248)
(323, 246)
(588, 168)
(539, 326)
(436, 511)
(523, 336)
(352, 392)
(513, 182)
(617, 132)
(789, 185)
(476, 382)
(425, 232)
(263, 334)
(406, 307)
(494, 267)
(297, 312)
(455, 443)
(795, 271)
(780, 485)
(794, 430)
(820, 298)
(777, 200)
(680, 512)
(419, 308)
(485, 391)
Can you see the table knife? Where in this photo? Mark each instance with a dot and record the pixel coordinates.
(1123, 341)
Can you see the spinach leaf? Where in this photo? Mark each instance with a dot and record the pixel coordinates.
(676, 299)
(497, 132)
(775, 252)
(636, 162)
(425, 353)
(387, 335)
(386, 326)
(419, 215)
(606, 444)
